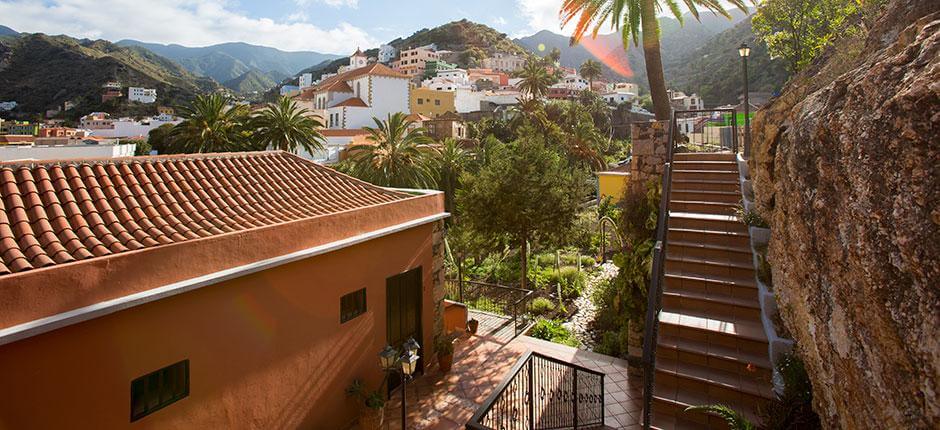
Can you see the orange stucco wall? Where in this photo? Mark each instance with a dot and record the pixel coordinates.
(455, 317)
(266, 350)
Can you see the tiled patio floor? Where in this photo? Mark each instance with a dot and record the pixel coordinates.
(447, 401)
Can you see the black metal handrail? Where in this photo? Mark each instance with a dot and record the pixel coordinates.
(543, 393)
(654, 303)
(497, 299)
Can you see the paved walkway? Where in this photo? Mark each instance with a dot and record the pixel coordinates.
(447, 401)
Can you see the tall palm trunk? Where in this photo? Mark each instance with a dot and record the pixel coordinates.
(654, 60)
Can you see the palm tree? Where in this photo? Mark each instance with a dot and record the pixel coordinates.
(286, 126)
(734, 419)
(553, 57)
(535, 80)
(395, 155)
(448, 161)
(211, 125)
(591, 70)
(630, 17)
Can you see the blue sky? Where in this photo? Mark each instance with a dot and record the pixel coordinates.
(334, 26)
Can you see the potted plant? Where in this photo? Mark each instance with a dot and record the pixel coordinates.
(444, 347)
(371, 406)
(473, 325)
(758, 228)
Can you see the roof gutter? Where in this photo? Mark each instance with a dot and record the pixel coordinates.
(75, 316)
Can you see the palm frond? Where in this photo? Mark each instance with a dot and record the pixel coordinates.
(735, 419)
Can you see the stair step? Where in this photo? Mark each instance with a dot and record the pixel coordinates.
(704, 377)
(743, 336)
(670, 401)
(705, 175)
(732, 197)
(699, 249)
(714, 355)
(710, 222)
(724, 166)
(709, 266)
(706, 185)
(703, 207)
(712, 285)
(710, 237)
(717, 305)
(703, 156)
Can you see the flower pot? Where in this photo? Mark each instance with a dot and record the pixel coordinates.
(445, 362)
(472, 326)
(759, 236)
(371, 418)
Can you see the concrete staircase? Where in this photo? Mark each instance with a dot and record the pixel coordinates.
(711, 347)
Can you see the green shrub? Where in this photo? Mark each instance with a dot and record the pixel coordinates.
(545, 260)
(542, 306)
(750, 217)
(571, 280)
(588, 261)
(553, 331)
(794, 408)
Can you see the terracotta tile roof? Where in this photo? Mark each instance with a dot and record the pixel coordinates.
(56, 212)
(352, 102)
(338, 87)
(417, 117)
(376, 69)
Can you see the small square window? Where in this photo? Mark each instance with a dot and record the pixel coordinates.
(420, 101)
(437, 102)
(156, 390)
(352, 305)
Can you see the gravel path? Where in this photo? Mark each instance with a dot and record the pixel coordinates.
(580, 323)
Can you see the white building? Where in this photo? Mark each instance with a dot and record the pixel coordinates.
(350, 100)
(573, 81)
(458, 76)
(626, 87)
(504, 62)
(387, 53)
(6, 106)
(142, 95)
(87, 148)
(621, 93)
(680, 101)
(125, 127)
(305, 80)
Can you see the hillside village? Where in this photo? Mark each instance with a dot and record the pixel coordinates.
(712, 217)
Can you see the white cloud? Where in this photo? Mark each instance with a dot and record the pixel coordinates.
(499, 20)
(542, 15)
(186, 22)
(334, 3)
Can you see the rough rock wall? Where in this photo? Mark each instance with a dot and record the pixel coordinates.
(846, 168)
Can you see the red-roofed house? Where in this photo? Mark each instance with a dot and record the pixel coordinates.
(206, 291)
(351, 99)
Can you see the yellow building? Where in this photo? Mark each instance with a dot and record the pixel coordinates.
(431, 103)
(612, 184)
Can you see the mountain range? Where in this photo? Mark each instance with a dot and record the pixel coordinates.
(231, 62)
(41, 72)
(693, 51)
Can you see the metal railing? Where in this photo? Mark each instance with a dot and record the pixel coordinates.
(705, 130)
(543, 393)
(506, 301)
(700, 139)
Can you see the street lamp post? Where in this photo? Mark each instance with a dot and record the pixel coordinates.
(744, 51)
(406, 364)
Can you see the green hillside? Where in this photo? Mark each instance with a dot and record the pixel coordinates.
(714, 70)
(252, 81)
(41, 72)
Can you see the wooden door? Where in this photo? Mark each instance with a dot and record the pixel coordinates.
(403, 314)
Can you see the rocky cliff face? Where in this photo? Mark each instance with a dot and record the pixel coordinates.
(846, 168)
